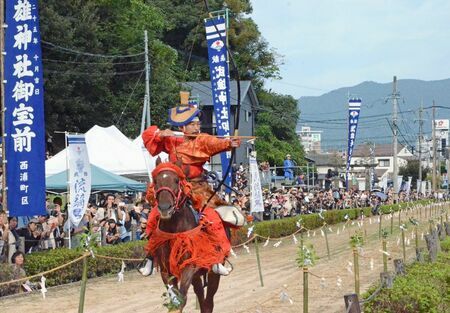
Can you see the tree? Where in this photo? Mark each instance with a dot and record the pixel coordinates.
(412, 169)
(78, 86)
(276, 129)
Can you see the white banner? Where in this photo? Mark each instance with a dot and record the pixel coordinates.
(399, 182)
(384, 183)
(79, 177)
(256, 199)
(419, 185)
(424, 187)
(408, 188)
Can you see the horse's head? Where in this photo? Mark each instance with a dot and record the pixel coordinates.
(171, 188)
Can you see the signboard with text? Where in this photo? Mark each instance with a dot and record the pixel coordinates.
(24, 115)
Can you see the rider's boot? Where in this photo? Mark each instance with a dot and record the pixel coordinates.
(220, 269)
(147, 268)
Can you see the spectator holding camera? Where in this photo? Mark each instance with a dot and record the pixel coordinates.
(123, 218)
(32, 235)
(142, 227)
(111, 207)
(112, 233)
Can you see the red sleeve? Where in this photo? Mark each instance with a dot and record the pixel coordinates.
(212, 145)
(153, 142)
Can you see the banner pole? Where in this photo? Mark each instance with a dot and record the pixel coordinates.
(2, 92)
(68, 190)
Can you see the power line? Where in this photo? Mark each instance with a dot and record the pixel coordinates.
(129, 99)
(93, 74)
(73, 51)
(87, 62)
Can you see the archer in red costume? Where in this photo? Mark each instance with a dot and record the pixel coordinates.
(194, 150)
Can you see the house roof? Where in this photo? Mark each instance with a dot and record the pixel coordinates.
(202, 89)
(380, 150)
(323, 159)
(409, 158)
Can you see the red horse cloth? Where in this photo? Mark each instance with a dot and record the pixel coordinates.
(200, 247)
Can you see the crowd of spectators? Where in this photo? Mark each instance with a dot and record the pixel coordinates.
(114, 219)
(296, 198)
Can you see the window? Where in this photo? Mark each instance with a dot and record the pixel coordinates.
(248, 114)
(383, 163)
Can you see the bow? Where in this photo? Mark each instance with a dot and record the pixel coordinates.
(238, 107)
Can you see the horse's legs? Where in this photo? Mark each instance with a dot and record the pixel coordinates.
(199, 290)
(185, 282)
(213, 285)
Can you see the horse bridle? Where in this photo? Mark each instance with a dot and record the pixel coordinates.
(178, 198)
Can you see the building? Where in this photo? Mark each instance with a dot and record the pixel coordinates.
(334, 161)
(310, 139)
(380, 157)
(249, 107)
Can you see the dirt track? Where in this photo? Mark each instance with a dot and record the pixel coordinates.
(241, 291)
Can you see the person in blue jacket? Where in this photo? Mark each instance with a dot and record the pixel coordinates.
(288, 166)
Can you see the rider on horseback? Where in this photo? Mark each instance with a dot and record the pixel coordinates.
(193, 149)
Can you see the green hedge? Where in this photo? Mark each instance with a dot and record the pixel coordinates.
(46, 260)
(287, 226)
(424, 289)
(445, 245)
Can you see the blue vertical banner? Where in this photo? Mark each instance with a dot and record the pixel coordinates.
(24, 115)
(354, 108)
(220, 81)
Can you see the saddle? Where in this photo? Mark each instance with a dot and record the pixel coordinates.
(231, 215)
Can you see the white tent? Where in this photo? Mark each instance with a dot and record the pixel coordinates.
(111, 150)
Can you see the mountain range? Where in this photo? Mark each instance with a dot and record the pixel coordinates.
(328, 112)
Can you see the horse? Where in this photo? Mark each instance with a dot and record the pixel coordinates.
(179, 229)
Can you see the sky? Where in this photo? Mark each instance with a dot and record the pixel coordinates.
(329, 44)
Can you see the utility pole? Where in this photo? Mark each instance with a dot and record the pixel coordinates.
(420, 141)
(146, 121)
(395, 132)
(433, 182)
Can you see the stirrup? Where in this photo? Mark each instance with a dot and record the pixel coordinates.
(146, 267)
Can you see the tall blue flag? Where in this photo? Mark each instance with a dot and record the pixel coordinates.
(24, 115)
(220, 81)
(354, 108)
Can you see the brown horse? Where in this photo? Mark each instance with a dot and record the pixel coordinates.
(177, 218)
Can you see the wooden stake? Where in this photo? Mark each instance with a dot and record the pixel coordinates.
(379, 225)
(258, 261)
(392, 223)
(83, 285)
(356, 268)
(352, 303)
(385, 256)
(403, 245)
(326, 241)
(305, 289)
